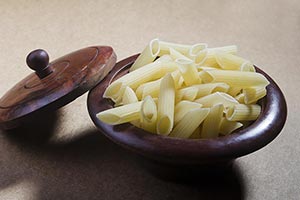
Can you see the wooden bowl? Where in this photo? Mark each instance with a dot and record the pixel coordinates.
(191, 152)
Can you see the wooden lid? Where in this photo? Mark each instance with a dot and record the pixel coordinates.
(54, 84)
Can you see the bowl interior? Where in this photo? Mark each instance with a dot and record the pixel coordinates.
(177, 150)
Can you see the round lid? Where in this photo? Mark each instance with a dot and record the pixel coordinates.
(54, 84)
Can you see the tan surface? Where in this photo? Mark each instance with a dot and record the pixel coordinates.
(79, 163)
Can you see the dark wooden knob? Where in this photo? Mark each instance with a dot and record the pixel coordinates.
(38, 60)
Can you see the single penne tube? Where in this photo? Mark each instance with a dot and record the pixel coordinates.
(113, 91)
(166, 103)
(188, 71)
(189, 123)
(227, 127)
(242, 112)
(129, 96)
(184, 107)
(234, 91)
(122, 114)
(235, 78)
(247, 67)
(240, 98)
(217, 98)
(253, 94)
(212, 123)
(149, 114)
(147, 56)
(200, 58)
(177, 55)
(229, 61)
(165, 48)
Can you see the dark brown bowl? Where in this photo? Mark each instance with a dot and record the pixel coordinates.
(184, 152)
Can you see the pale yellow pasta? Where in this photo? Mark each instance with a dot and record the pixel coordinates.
(164, 58)
(212, 123)
(152, 88)
(217, 98)
(240, 98)
(200, 90)
(232, 62)
(189, 123)
(211, 60)
(184, 107)
(188, 71)
(227, 127)
(166, 102)
(253, 94)
(177, 55)
(142, 75)
(149, 114)
(196, 49)
(234, 90)
(235, 78)
(242, 112)
(122, 114)
(147, 56)
(129, 96)
(189, 94)
(165, 48)
(205, 68)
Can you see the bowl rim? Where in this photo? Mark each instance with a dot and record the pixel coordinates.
(170, 149)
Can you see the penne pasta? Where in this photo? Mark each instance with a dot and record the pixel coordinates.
(253, 94)
(189, 94)
(188, 71)
(189, 123)
(217, 98)
(196, 49)
(184, 107)
(235, 78)
(152, 88)
(165, 48)
(129, 96)
(147, 56)
(242, 112)
(234, 91)
(142, 75)
(240, 98)
(148, 114)
(212, 123)
(122, 114)
(177, 55)
(229, 61)
(211, 60)
(227, 127)
(166, 103)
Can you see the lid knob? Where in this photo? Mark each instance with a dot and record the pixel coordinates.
(38, 60)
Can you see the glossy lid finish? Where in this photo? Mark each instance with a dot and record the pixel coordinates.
(54, 84)
(191, 151)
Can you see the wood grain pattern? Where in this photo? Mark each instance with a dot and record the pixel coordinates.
(71, 76)
(191, 151)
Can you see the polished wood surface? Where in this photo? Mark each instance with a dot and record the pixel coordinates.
(191, 151)
(54, 84)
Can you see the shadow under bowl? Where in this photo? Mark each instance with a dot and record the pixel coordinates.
(176, 152)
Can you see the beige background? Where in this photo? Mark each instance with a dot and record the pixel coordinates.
(68, 159)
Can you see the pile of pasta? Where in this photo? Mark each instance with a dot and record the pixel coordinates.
(186, 91)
